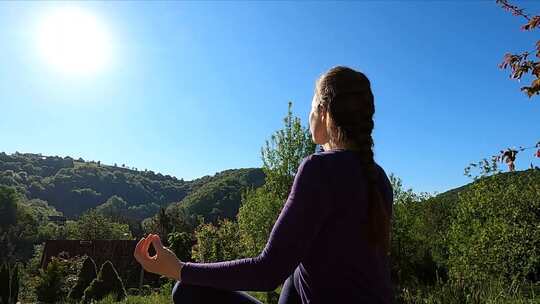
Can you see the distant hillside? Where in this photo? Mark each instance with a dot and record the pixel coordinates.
(73, 186)
(502, 179)
(221, 197)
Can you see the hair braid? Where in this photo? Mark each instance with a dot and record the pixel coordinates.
(347, 95)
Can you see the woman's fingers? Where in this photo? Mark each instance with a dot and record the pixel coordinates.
(146, 245)
(156, 241)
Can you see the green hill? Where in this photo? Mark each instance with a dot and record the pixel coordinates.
(221, 196)
(74, 186)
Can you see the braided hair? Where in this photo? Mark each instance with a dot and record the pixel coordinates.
(346, 95)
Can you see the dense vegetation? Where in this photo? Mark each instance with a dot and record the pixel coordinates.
(471, 244)
(74, 186)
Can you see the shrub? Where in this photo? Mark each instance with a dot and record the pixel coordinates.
(495, 233)
(51, 285)
(86, 275)
(107, 283)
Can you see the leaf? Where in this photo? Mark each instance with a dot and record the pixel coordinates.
(532, 24)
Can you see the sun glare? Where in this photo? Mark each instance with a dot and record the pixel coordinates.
(74, 41)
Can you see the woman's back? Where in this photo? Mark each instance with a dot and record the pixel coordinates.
(339, 262)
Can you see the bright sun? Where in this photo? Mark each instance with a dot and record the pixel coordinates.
(74, 41)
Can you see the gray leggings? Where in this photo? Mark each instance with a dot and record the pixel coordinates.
(192, 294)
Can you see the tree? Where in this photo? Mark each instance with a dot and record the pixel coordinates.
(94, 226)
(51, 286)
(114, 208)
(86, 275)
(181, 243)
(281, 156)
(521, 64)
(108, 282)
(411, 250)
(217, 243)
(8, 207)
(283, 153)
(256, 218)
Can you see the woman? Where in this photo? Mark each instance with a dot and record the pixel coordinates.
(331, 240)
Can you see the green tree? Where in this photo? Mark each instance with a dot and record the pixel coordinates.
(114, 208)
(217, 243)
(281, 156)
(283, 153)
(51, 287)
(256, 218)
(86, 275)
(412, 260)
(181, 243)
(108, 282)
(8, 207)
(94, 226)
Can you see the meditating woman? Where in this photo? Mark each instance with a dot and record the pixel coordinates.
(331, 241)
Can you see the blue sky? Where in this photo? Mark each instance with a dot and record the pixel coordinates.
(196, 88)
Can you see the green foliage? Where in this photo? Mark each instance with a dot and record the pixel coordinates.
(4, 283)
(217, 243)
(412, 237)
(8, 207)
(495, 233)
(51, 287)
(284, 152)
(113, 208)
(181, 243)
(107, 283)
(73, 187)
(86, 275)
(257, 215)
(19, 229)
(94, 226)
(281, 156)
(163, 297)
(221, 197)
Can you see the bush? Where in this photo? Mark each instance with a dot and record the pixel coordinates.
(217, 243)
(495, 233)
(107, 283)
(86, 275)
(51, 286)
(181, 243)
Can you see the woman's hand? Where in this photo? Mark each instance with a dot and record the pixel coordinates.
(164, 263)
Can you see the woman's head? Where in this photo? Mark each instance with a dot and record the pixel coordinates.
(342, 109)
(342, 117)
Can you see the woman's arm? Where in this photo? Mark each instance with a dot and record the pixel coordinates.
(299, 222)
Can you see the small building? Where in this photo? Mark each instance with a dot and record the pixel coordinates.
(119, 252)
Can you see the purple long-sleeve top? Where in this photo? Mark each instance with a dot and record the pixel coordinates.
(317, 238)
